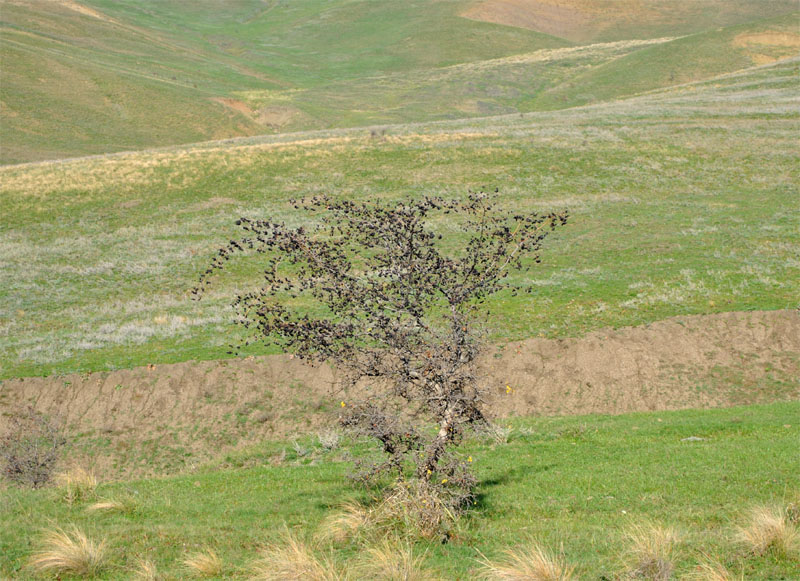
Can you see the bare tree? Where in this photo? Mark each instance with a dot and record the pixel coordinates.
(392, 295)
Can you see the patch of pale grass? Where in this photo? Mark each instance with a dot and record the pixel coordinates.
(69, 552)
(205, 563)
(650, 552)
(124, 505)
(532, 563)
(768, 529)
(391, 560)
(76, 484)
(293, 560)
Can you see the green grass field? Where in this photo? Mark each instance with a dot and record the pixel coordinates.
(672, 142)
(683, 202)
(574, 484)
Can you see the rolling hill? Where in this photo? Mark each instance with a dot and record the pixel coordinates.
(99, 76)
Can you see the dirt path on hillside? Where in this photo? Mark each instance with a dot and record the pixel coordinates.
(165, 418)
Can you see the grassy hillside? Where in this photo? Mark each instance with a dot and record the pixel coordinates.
(576, 485)
(104, 76)
(682, 60)
(107, 76)
(683, 202)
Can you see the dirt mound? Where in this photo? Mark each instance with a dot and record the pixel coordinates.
(164, 418)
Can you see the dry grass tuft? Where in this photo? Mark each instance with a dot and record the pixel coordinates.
(651, 551)
(293, 560)
(533, 563)
(393, 561)
(415, 509)
(77, 484)
(770, 529)
(69, 553)
(353, 520)
(204, 563)
(409, 509)
(713, 571)
(146, 571)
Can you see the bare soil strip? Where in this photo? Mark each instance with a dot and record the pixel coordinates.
(164, 418)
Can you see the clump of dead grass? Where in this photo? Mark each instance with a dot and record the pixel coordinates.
(205, 563)
(531, 563)
(69, 552)
(712, 571)
(293, 560)
(352, 521)
(392, 560)
(651, 550)
(76, 484)
(145, 571)
(769, 529)
(414, 509)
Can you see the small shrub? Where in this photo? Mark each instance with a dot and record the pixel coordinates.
(293, 560)
(532, 563)
(329, 440)
(387, 295)
(69, 553)
(76, 484)
(204, 563)
(30, 449)
(768, 529)
(651, 551)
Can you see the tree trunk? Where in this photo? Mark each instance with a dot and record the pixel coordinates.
(428, 466)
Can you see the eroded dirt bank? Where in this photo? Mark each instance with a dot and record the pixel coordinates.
(164, 418)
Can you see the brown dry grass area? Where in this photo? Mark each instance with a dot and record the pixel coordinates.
(768, 46)
(591, 20)
(144, 420)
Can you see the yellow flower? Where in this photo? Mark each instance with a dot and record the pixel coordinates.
(508, 389)
(444, 480)
(469, 459)
(343, 404)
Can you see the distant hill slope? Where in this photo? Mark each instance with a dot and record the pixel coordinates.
(583, 21)
(101, 76)
(104, 76)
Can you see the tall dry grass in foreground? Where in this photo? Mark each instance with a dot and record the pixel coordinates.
(69, 552)
(393, 561)
(651, 550)
(769, 529)
(204, 563)
(353, 520)
(532, 563)
(293, 560)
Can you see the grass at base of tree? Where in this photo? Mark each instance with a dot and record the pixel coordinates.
(575, 485)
